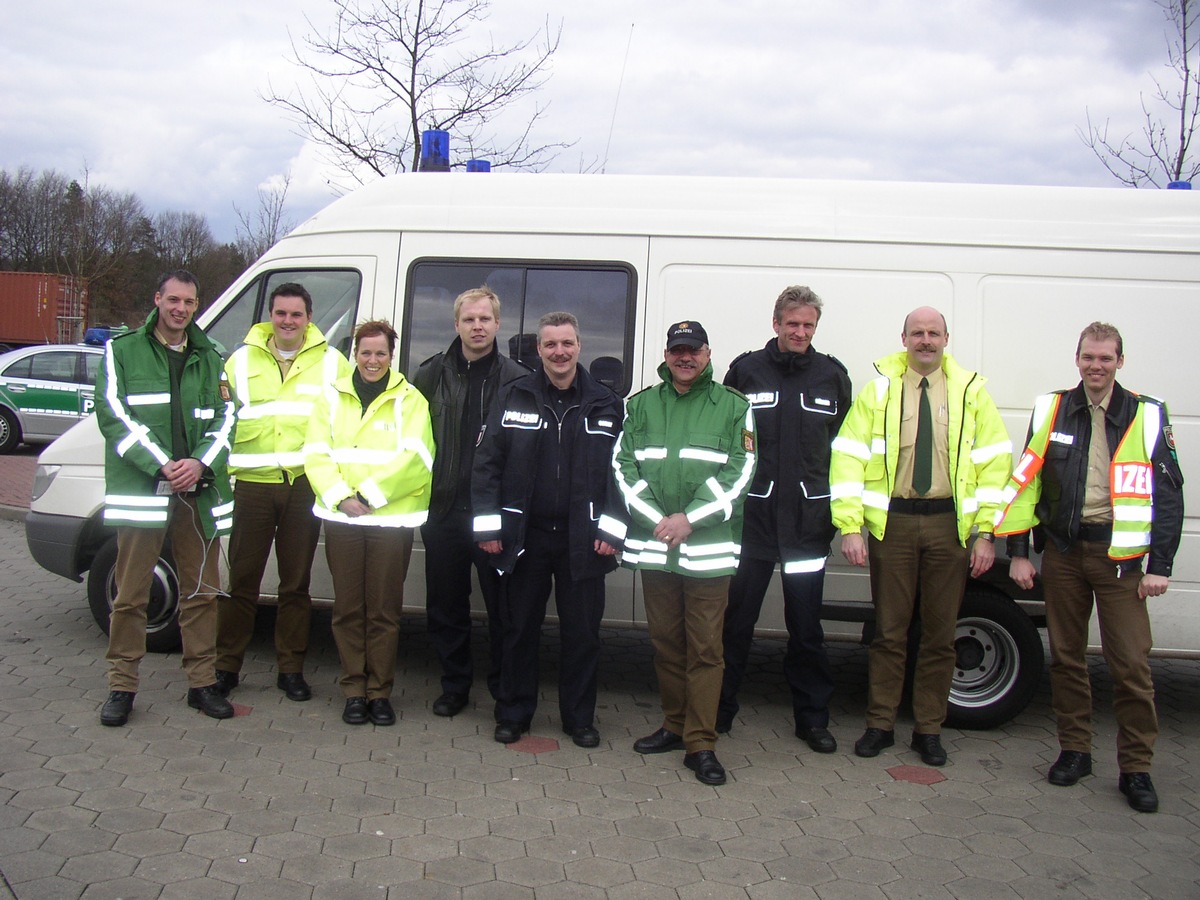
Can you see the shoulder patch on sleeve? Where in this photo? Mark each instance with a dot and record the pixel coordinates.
(748, 440)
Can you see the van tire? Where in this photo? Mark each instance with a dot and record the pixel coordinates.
(998, 661)
(162, 614)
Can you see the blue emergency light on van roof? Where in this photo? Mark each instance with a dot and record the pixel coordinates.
(435, 150)
(478, 165)
(1179, 186)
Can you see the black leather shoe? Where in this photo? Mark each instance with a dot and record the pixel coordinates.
(930, 747)
(116, 708)
(872, 741)
(706, 766)
(355, 712)
(227, 681)
(509, 732)
(449, 704)
(586, 737)
(1070, 766)
(818, 739)
(209, 701)
(1139, 791)
(293, 685)
(662, 741)
(380, 711)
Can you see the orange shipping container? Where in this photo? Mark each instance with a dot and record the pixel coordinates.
(40, 308)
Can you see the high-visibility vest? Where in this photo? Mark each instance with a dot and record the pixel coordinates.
(273, 412)
(1130, 478)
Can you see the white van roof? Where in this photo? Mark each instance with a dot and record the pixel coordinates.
(766, 208)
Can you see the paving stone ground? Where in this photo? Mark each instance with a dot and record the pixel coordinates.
(285, 801)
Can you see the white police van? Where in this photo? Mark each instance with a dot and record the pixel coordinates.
(1017, 271)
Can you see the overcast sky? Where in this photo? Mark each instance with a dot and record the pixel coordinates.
(164, 99)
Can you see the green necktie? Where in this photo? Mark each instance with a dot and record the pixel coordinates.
(923, 460)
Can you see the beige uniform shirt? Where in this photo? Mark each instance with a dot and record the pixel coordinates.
(910, 405)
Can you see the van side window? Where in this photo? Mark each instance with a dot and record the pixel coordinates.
(600, 295)
(335, 294)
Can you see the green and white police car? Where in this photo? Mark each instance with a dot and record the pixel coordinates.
(44, 390)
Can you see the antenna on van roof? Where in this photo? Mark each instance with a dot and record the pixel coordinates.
(617, 102)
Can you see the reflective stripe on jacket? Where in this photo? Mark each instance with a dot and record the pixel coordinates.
(692, 453)
(273, 412)
(384, 455)
(863, 467)
(134, 414)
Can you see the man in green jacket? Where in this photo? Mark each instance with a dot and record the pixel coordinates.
(921, 459)
(166, 414)
(684, 462)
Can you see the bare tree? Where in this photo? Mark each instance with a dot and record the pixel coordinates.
(258, 231)
(389, 69)
(182, 238)
(1162, 152)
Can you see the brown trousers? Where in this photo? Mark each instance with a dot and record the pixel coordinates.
(265, 515)
(917, 553)
(368, 564)
(685, 616)
(197, 568)
(1071, 580)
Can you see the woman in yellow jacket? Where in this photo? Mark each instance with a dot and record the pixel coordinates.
(369, 458)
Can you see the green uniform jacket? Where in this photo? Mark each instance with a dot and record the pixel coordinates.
(691, 453)
(133, 409)
(862, 470)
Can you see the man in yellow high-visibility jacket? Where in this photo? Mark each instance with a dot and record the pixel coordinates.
(1100, 478)
(276, 377)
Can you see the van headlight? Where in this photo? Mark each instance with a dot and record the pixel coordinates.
(43, 477)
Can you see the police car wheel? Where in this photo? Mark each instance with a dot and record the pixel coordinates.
(162, 612)
(10, 431)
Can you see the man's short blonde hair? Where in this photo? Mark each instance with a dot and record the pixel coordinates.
(1101, 331)
(479, 293)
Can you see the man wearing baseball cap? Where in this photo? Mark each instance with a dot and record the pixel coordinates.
(684, 462)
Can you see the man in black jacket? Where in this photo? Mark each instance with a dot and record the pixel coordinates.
(546, 507)
(1101, 479)
(461, 386)
(799, 398)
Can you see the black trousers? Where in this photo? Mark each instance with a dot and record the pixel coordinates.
(526, 593)
(805, 664)
(450, 552)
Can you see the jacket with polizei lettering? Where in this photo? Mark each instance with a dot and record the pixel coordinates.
(506, 469)
(865, 452)
(273, 412)
(799, 402)
(133, 410)
(383, 455)
(690, 453)
(1056, 492)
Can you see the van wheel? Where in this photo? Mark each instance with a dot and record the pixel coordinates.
(162, 613)
(10, 431)
(998, 661)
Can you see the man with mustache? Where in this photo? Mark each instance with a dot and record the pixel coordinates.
(684, 463)
(921, 460)
(546, 509)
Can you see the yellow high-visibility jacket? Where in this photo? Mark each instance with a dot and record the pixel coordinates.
(383, 455)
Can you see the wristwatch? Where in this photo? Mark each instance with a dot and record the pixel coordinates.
(987, 536)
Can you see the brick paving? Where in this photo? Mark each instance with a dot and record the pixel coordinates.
(285, 801)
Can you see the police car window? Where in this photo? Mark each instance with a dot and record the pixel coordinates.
(599, 295)
(53, 367)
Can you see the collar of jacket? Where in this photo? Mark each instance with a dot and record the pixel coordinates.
(895, 365)
(1077, 399)
(197, 339)
(260, 332)
(786, 360)
(345, 384)
(537, 383)
(703, 384)
(453, 358)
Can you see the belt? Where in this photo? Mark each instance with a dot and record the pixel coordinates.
(919, 507)
(1100, 532)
